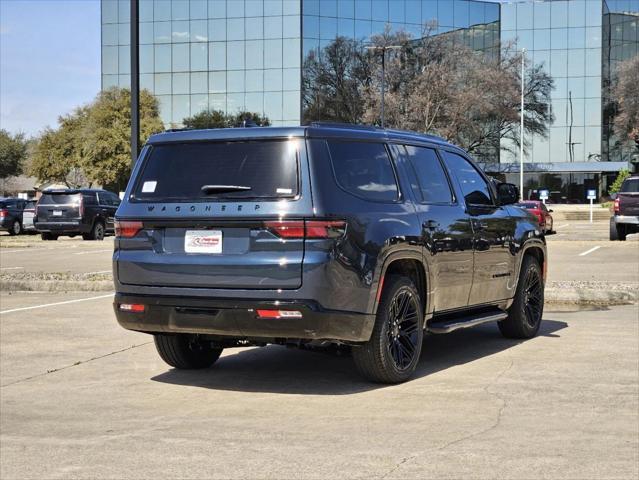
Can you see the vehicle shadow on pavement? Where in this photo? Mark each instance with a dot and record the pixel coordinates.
(277, 369)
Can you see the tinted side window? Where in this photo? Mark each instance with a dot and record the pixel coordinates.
(433, 184)
(114, 199)
(90, 198)
(474, 188)
(364, 169)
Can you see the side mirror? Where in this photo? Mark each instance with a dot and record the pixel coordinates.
(507, 193)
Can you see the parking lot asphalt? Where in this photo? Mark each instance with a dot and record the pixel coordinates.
(29, 254)
(81, 398)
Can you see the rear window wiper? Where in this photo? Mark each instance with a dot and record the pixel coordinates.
(210, 189)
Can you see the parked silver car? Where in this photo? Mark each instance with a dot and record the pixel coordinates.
(28, 216)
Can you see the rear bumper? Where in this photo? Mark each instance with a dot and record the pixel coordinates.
(627, 219)
(237, 319)
(62, 227)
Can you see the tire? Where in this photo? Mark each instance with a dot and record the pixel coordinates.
(622, 231)
(16, 228)
(524, 315)
(48, 236)
(392, 353)
(97, 232)
(186, 352)
(614, 235)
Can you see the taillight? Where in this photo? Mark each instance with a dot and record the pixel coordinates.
(313, 229)
(617, 204)
(325, 229)
(132, 307)
(127, 229)
(4, 212)
(279, 314)
(286, 229)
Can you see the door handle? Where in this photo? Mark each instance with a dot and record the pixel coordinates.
(430, 225)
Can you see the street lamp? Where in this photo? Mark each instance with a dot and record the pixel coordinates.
(383, 49)
(521, 130)
(135, 80)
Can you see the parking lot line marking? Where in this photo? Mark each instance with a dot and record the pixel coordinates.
(562, 226)
(11, 268)
(590, 251)
(95, 273)
(92, 251)
(21, 309)
(6, 250)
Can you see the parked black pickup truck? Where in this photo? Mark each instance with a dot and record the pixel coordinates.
(320, 234)
(626, 210)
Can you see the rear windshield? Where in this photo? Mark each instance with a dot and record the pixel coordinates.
(528, 206)
(242, 170)
(630, 185)
(59, 199)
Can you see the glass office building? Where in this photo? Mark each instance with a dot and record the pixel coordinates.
(236, 55)
(580, 42)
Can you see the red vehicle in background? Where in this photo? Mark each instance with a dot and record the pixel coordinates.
(539, 210)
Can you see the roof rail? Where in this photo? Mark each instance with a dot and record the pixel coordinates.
(408, 132)
(352, 126)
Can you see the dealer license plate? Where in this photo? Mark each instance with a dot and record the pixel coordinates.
(203, 241)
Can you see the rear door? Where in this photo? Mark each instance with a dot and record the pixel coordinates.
(107, 208)
(629, 197)
(447, 235)
(59, 206)
(218, 215)
(494, 231)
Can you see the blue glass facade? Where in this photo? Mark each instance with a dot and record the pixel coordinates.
(237, 55)
(229, 55)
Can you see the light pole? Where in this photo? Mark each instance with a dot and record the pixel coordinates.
(135, 81)
(521, 130)
(383, 49)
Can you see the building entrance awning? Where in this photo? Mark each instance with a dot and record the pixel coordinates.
(557, 167)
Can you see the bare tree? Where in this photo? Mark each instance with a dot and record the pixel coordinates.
(439, 86)
(626, 94)
(333, 82)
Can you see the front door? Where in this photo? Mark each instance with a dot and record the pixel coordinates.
(494, 231)
(447, 235)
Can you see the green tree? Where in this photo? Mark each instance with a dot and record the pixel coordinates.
(616, 185)
(218, 119)
(58, 154)
(106, 147)
(13, 151)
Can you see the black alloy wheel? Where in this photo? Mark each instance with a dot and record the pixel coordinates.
(533, 297)
(526, 311)
(403, 323)
(392, 353)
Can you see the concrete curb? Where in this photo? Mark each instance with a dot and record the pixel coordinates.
(589, 296)
(569, 295)
(56, 286)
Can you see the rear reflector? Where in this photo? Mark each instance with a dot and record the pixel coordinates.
(279, 314)
(310, 229)
(132, 307)
(127, 229)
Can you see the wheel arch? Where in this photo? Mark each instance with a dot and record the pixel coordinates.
(537, 249)
(407, 263)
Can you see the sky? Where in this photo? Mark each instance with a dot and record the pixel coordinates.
(49, 60)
